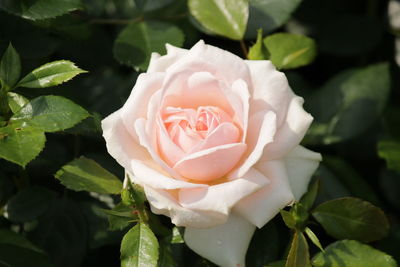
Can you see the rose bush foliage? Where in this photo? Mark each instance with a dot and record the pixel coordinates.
(215, 142)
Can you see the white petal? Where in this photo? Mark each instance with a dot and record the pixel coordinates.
(137, 104)
(140, 125)
(161, 63)
(223, 196)
(224, 65)
(270, 90)
(241, 105)
(261, 132)
(148, 173)
(301, 163)
(165, 203)
(263, 205)
(290, 134)
(120, 144)
(225, 245)
(210, 164)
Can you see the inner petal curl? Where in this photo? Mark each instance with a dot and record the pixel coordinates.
(189, 128)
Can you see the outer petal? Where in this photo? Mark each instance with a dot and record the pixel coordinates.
(147, 173)
(290, 134)
(161, 63)
(134, 158)
(262, 127)
(301, 163)
(225, 245)
(117, 137)
(270, 89)
(210, 164)
(137, 104)
(223, 196)
(263, 205)
(165, 203)
(228, 67)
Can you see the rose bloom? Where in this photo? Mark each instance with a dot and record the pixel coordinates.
(214, 141)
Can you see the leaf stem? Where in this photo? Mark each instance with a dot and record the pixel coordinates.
(244, 48)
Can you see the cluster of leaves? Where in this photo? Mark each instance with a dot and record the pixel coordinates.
(61, 204)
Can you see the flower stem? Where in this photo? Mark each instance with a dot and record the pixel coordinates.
(244, 48)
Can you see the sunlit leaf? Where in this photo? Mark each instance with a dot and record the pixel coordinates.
(51, 113)
(222, 17)
(85, 174)
(139, 247)
(50, 74)
(351, 253)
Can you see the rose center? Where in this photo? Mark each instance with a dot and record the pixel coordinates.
(188, 127)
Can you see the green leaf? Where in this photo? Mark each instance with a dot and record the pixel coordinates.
(352, 218)
(269, 15)
(342, 104)
(299, 255)
(313, 238)
(136, 42)
(85, 174)
(258, 51)
(10, 67)
(177, 237)
(120, 217)
(39, 9)
(29, 203)
(308, 199)
(16, 101)
(51, 113)
(351, 253)
(20, 143)
(50, 74)
(290, 51)
(139, 247)
(224, 17)
(88, 127)
(288, 218)
(390, 151)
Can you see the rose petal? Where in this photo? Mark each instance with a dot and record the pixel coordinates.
(301, 163)
(290, 134)
(263, 205)
(223, 196)
(163, 202)
(210, 164)
(270, 89)
(147, 173)
(140, 126)
(120, 144)
(261, 132)
(240, 103)
(161, 63)
(146, 85)
(224, 245)
(220, 59)
(190, 89)
(225, 133)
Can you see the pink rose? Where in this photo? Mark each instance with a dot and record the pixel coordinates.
(214, 141)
